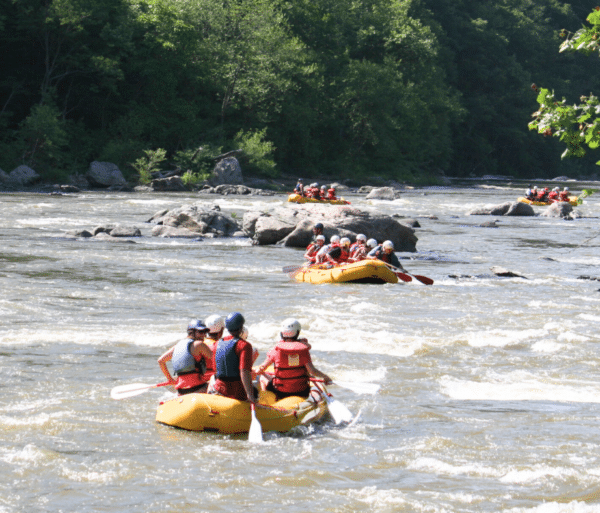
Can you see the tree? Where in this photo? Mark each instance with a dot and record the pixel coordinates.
(577, 125)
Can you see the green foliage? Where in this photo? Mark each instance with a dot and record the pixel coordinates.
(576, 125)
(149, 164)
(197, 164)
(258, 153)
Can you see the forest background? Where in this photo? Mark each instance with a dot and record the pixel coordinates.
(399, 89)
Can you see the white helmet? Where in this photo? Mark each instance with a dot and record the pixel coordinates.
(345, 242)
(361, 236)
(388, 244)
(290, 328)
(335, 239)
(321, 238)
(323, 187)
(372, 243)
(566, 188)
(214, 323)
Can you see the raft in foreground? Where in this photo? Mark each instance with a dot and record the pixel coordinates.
(365, 271)
(209, 412)
(296, 198)
(572, 201)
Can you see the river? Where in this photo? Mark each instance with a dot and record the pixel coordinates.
(490, 387)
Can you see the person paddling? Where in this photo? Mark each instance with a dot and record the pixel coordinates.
(313, 249)
(385, 253)
(292, 362)
(188, 357)
(233, 359)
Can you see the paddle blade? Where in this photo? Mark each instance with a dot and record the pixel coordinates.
(359, 388)
(404, 277)
(255, 434)
(124, 391)
(423, 279)
(338, 411)
(291, 269)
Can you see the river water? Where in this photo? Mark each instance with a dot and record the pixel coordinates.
(490, 387)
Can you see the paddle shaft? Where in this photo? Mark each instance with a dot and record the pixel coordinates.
(423, 279)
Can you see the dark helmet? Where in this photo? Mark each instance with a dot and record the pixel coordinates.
(196, 325)
(319, 226)
(234, 322)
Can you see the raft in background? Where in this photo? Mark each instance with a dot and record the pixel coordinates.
(365, 271)
(296, 198)
(572, 201)
(210, 412)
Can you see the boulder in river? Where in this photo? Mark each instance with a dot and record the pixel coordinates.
(104, 174)
(192, 221)
(383, 193)
(22, 176)
(515, 208)
(560, 209)
(291, 225)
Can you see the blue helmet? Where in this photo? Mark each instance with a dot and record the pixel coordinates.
(196, 324)
(234, 322)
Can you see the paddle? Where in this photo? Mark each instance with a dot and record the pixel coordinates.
(291, 269)
(398, 271)
(338, 410)
(125, 391)
(255, 434)
(356, 387)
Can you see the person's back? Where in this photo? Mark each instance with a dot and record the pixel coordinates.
(233, 360)
(292, 363)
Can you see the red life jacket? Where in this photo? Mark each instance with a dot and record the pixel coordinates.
(564, 196)
(331, 194)
(553, 195)
(290, 361)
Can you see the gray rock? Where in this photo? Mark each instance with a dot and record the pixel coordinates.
(77, 234)
(383, 193)
(3, 176)
(561, 209)
(171, 184)
(500, 271)
(227, 171)
(291, 225)
(505, 209)
(195, 219)
(125, 231)
(23, 175)
(104, 174)
(169, 232)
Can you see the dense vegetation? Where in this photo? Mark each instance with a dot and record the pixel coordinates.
(401, 89)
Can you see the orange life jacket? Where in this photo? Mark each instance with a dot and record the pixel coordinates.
(290, 361)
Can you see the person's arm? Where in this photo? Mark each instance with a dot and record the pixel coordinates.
(261, 369)
(162, 363)
(246, 359)
(313, 371)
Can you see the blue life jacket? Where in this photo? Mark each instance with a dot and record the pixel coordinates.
(227, 361)
(183, 361)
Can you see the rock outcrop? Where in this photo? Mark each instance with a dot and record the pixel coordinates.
(192, 221)
(104, 174)
(515, 208)
(291, 225)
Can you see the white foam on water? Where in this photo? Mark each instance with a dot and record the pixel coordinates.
(515, 387)
(589, 317)
(538, 473)
(557, 507)
(437, 466)
(502, 338)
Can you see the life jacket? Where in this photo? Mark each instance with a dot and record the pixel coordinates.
(290, 361)
(553, 195)
(227, 362)
(564, 196)
(359, 253)
(331, 194)
(189, 370)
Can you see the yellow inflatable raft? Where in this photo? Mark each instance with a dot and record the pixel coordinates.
(523, 199)
(296, 198)
(365, 271)
(208, 412)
